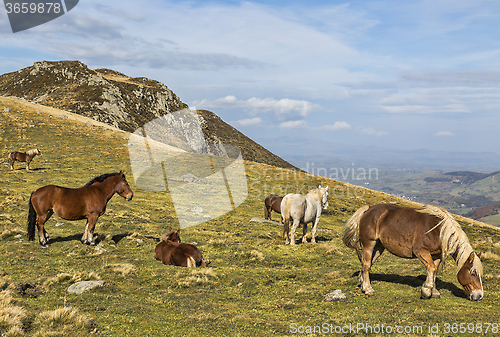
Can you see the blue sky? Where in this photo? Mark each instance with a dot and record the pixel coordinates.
(393, 74)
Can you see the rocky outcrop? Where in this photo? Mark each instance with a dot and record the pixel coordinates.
(103, 95)
(129, 104)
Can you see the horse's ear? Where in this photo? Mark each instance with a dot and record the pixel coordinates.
(327, 187)
(471, 257)
(178, 231)
(319, 186)
(479, 255)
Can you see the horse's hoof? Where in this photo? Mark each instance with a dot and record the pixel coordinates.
(369, 292)
(45, 246)
(435, 294)
(424, 295)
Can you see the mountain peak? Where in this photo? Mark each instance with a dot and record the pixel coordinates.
(111, 97)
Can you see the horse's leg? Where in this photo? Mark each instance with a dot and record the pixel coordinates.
(314, 229)
(377, 251)
(28, 161)
(304, 233)
(296, 223)
(43, 236)
(435, 293)
(88, 235)
(429, 284)
(367, 256)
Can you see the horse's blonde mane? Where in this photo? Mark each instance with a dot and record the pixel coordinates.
(32, 152)
(453, 238)
(317, 193)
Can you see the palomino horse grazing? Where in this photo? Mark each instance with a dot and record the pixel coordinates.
(272, 203)
(23, 157)
(429, 234)
(301, 209)
(171, 251)
(88, 202)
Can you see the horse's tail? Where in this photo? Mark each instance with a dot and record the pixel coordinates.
(286, 213)
(351, 229)
(191, 263)
(31, 220)
(266, 210)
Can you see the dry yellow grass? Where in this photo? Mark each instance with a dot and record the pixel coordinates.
(122, 268)
(196, 277)
(13, 318)
(65, 321)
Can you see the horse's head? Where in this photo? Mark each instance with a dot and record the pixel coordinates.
(38, 152)
(469, 276)
(122, 187)
(171, 236)
(324, 196)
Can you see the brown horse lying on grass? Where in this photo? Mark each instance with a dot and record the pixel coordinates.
(171, 251)
(23, 157)
(429, 234)
(272, 203)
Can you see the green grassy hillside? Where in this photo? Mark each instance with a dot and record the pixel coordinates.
(255, 285)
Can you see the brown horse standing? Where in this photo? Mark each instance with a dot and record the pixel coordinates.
(171, 251)
(23, 157)
(272, 203)
(429, 234)
(88, 202)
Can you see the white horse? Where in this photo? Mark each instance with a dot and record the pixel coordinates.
(301, 209)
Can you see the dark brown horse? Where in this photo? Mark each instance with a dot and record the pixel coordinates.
(272, 203)
(23, 157)
(429, 234)
(88, 202)
(171, 251)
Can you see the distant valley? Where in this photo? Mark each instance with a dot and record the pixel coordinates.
(471, 194)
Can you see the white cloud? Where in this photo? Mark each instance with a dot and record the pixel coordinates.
(423, 109)
(453, 78)
(292, 124)
(370, 131)
(255, 105)
(335, 127)
(444, 134)
(247, 122)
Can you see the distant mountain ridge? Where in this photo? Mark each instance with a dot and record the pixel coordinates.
(127, 103)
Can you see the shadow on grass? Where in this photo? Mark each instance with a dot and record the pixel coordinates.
(74, 237)
(118, 237)
(416, 282)
(23, 169)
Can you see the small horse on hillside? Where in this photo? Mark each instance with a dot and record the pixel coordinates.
(272, 203)
(301, 209)
(429, 234)
(88, 202)
(171, 251)
(23, 157)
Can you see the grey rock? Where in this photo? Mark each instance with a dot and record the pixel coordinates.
(335, 295)
(79, 287)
